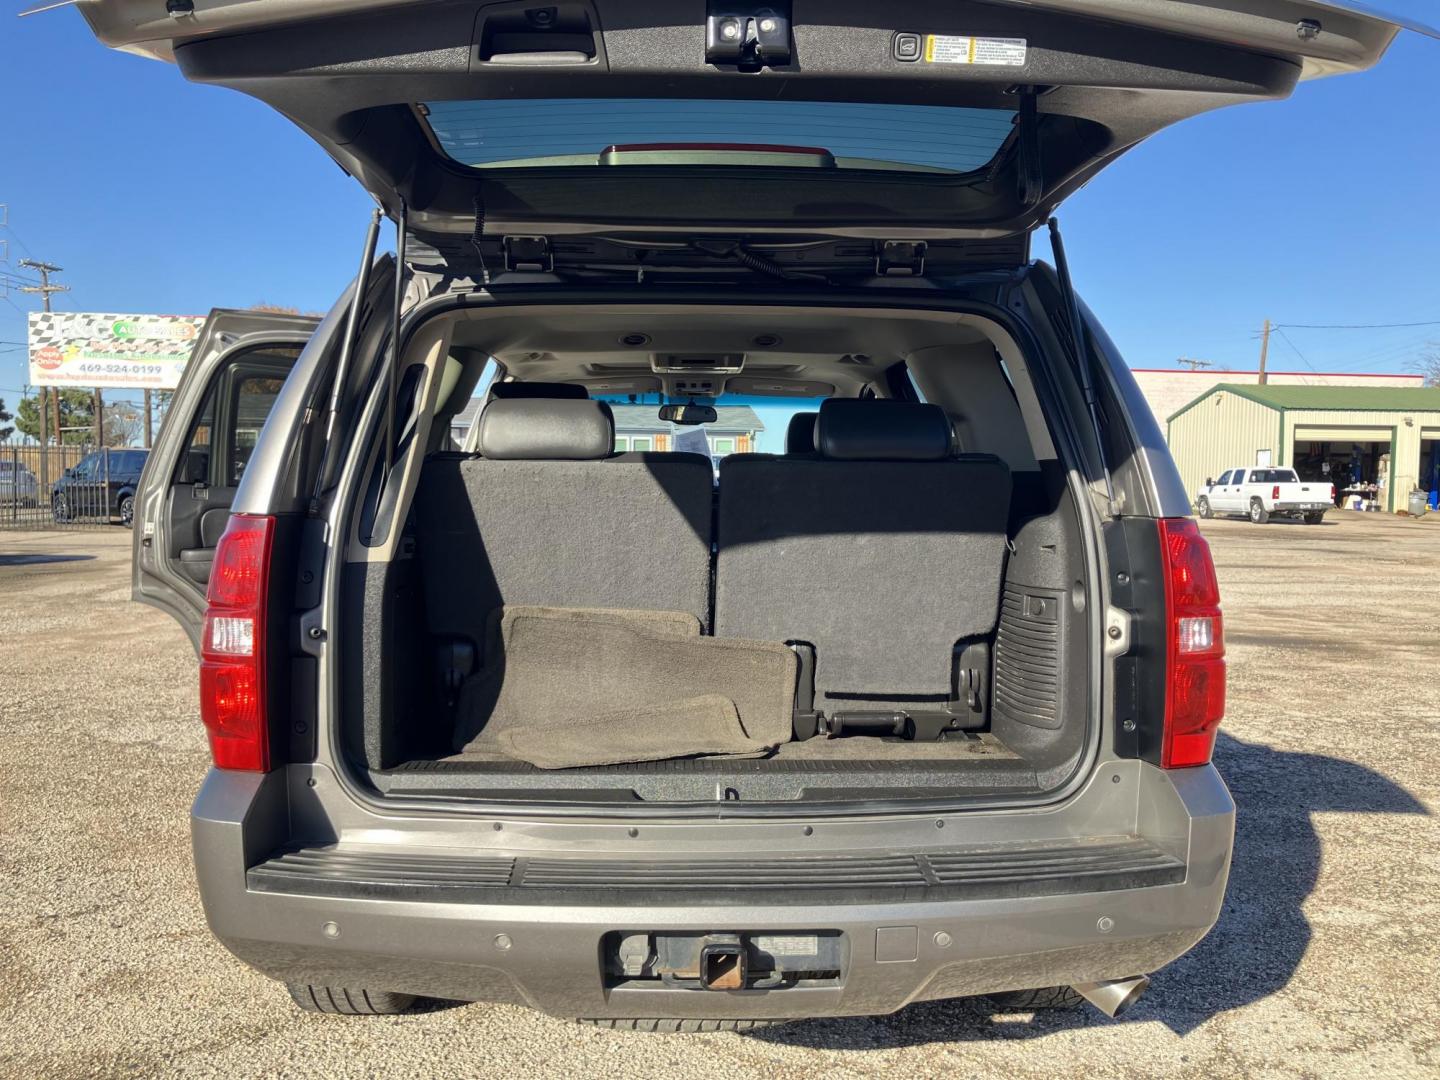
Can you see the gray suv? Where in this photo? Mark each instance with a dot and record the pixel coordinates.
(912, 698)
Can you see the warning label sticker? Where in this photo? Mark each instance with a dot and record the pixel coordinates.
(948, 49)
(787, 944)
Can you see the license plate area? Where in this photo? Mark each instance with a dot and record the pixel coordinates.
(724, 961)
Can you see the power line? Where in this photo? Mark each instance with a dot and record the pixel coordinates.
(5, 224)
(1353, 326)
(1281, 331)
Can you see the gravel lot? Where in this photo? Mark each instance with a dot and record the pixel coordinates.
(1325, 963)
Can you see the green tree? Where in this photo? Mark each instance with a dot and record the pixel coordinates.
(76, 417)
(6, 428)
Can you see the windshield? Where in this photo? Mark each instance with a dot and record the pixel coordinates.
(744, 424)
(576, 131)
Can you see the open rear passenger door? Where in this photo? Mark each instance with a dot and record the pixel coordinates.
(240, 362)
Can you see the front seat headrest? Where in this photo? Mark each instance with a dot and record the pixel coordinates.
(562, 391)
(543, 429)
(849, 429)
(800, 435)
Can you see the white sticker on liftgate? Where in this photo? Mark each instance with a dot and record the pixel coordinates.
(997, 52)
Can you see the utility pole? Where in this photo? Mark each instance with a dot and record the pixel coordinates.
(1264, 350)
(45, 288)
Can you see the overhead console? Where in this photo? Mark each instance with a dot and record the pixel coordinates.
(696, 374)
(697, 363)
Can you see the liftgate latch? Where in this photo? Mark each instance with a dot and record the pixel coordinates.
(900, 258)
(528, 254)
(751, 36)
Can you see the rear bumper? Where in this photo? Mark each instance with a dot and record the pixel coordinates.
(481, 934)
(1302, 507)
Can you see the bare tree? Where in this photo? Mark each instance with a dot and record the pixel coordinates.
(281, 309)
(123, 425)
(1429, 364)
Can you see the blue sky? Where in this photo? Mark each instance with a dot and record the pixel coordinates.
(158, 195)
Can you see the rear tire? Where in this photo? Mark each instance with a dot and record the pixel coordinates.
(349, 1001)
(127, 511)
(1046, 997)
(677, 1026)
(1258, 514)
(1203, 507)
(1314, 519)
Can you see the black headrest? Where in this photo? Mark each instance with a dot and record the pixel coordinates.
(542, 429)
(561, 391)
(800, 435)
(849, 429)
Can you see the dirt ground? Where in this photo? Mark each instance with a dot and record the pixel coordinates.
(1325, 962)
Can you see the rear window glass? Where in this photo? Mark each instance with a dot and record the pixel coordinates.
(1272, 476)
(576, 131)
(744, 424)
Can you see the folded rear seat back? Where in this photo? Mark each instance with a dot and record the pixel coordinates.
(549, 516)
(883, 550)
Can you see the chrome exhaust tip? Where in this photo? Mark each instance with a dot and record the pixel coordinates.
(1113, 997)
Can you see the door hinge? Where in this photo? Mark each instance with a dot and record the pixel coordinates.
(900, 258)
(528, 253)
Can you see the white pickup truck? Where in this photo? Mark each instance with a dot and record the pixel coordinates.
(1262, 493)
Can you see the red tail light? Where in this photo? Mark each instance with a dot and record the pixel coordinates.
(232, 647)
(1275, 492)
(1195, 646)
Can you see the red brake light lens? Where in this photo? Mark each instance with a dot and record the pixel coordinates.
(1275, 492)
(1195, 646)
(232, 647)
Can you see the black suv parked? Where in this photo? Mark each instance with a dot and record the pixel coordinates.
(101, 485)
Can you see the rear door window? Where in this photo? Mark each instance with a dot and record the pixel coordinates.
(254, 396)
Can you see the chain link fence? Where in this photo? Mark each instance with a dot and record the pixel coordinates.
(68, 487)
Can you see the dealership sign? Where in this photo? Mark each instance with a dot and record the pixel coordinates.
(86, 349)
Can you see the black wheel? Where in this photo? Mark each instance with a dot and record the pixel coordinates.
(1314, 519)
(1046, 997)
(1203, 507)
(676, 1026)
(1258, 514)
(127, 511)
(349, 1001)
(60, 508)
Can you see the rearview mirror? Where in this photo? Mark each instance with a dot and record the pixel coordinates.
(688, 415)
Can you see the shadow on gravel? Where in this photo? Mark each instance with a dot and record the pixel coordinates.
(1253, 951)
(37, 558)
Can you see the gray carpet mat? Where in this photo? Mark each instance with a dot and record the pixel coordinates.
(705, 725)
(557, 666)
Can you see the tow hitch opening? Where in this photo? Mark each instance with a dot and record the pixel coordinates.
(722, 966)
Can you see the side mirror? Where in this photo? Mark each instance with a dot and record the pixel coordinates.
(1209, 481)
(689, 415)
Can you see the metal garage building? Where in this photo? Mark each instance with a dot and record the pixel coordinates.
(1377, 435)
